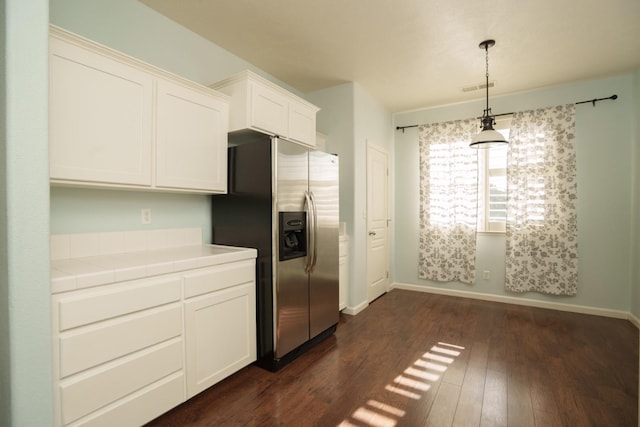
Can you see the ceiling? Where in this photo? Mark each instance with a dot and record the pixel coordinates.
(410, 54)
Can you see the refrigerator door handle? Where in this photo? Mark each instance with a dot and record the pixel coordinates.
(314, 257)
(311, 236)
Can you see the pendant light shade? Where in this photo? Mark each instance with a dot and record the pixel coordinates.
(488, 136)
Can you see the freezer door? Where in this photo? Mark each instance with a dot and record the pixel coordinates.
(291, 293)
(323, 280)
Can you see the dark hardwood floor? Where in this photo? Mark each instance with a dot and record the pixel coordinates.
(417, 359)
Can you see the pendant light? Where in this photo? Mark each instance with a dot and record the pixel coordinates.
(488, 136)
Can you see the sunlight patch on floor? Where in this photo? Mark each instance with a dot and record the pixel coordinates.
(414, 381)
(402, 392)
(429, 365)
(387, 408)
(373, 418)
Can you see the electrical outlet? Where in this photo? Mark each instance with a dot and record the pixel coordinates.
(486, 274)
(145, 215)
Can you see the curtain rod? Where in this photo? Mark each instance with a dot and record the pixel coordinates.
(593, 101)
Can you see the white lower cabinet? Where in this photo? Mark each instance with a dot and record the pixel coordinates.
(125, 353)
(220, 335)
(220, 326)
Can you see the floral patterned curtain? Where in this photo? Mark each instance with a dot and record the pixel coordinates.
(448, 201)
(542, 227)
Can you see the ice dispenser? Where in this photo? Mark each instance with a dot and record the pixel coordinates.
(293, 235)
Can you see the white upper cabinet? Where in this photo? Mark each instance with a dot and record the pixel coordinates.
(259, 104)
(268, 110)
(118, 122)
(191, 147)
(101, 117)
(302, 122)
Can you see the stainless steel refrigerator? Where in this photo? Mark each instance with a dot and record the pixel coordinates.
(283, 201)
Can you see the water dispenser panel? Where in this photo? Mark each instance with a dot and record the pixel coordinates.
(292, 235)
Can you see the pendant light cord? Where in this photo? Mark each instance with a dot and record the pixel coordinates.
(486, 52)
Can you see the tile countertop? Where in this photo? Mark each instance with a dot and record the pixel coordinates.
(84, 272)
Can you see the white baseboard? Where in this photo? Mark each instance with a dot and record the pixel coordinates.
(633, 319)
(618, 314)
(352, 311)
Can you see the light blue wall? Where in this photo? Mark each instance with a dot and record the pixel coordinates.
(25, 322)
(635, 286)
(635, 296)
(89, 210)
(604, 151)
(336, 120)
(5, 333)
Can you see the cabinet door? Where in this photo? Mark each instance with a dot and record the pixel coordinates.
(302, 123)
(269, 110)
(100, 114)
(191, 150)
(220, 335)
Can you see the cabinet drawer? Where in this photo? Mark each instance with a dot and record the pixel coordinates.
(84, 394)
(125, 298)
(96, 344)
(218, 277)
(140, 407)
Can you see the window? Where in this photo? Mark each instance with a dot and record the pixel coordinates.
(492, 184)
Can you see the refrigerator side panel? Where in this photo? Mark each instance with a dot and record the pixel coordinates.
(243, 217)
(323, 282)
(291, 299)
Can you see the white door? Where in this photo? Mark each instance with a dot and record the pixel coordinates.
(377, 221)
